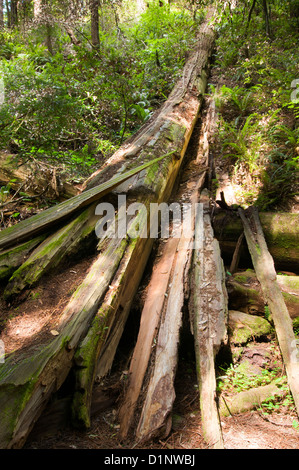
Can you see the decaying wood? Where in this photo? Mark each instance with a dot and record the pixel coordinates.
(11, 260)
(209, 310)
(149, 322)
(52, 251)
(245, 293)
(266, 274)
(157, 299)
(281, 234)
(156, 412)
(34, 178)
(28, 378)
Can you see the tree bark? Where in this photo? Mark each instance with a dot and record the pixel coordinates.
(209, 311)
(94, 25)
(1, 15)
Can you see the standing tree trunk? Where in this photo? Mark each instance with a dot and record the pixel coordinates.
(1, 14)
(13, 13)
(94, 10)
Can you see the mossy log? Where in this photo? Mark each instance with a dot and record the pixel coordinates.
(52, 251)
(49, 218)
(243, 327)
(28, 378)
(208, 308)
(281, 234)
(245, 293)
(266, 274)
(248, 399)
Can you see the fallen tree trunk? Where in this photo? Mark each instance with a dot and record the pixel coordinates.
(41, 222)
(27, 382)
(281, 234)
(11, 259)
(245, 293)
(266, 274)
(157, 299)
(209, 310)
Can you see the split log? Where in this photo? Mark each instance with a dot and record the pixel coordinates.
(281, 234)
(156, 412)
(28, 379)
(266, 274)
(51, 252)
(245, 293)
(156, 302)
(208, 308)
(150, 318)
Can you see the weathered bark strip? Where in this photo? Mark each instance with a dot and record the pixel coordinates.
(245, 293)
(40, 222)
(248, 400)
(281, 234)
(266, 274)
(209, 310)
(10, 260)
(156, 413)
(150, 318)
(52, 251)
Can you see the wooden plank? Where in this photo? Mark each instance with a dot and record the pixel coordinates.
(150, 318)
(208, 308)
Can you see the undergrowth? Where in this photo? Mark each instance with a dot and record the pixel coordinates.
(258, 107)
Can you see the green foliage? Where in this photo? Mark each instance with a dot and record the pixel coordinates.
(75, 107)
(259, 110)
(243, 143)
(235, 381)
